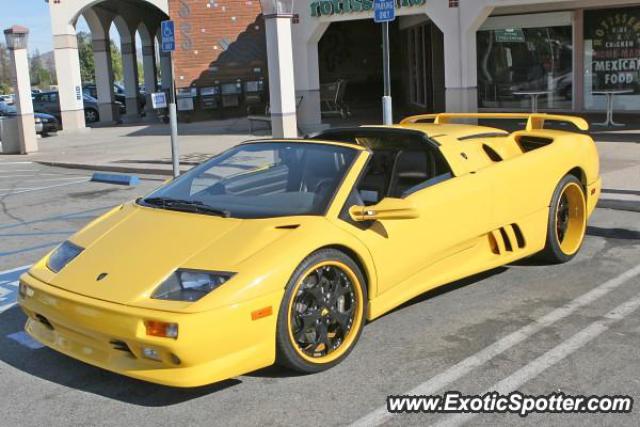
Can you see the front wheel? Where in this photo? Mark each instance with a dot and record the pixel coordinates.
(567, 223)
(90, 115)
(322, 312)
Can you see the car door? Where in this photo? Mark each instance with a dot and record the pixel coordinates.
(453, 215)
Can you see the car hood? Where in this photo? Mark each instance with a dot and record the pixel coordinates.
(44, 116)
(138, 247)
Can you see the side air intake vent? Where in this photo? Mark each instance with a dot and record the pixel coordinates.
(507, 239)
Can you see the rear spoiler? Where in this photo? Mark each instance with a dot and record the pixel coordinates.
(534, 121)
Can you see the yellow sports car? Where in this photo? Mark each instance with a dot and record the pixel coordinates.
(279, 251)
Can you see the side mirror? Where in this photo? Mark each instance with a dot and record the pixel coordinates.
(388, 208)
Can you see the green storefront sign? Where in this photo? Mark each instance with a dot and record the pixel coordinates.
(339, 7)
(511, 35)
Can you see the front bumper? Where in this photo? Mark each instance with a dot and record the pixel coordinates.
(50, 127)
(211, 346)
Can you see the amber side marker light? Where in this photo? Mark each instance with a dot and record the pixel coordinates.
(263, 312)
(161, 329)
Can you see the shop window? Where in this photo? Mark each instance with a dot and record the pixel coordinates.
(514, 57)
(418, 48)
(612, 57)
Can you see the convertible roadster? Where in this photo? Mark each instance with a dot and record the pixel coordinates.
(279, 251)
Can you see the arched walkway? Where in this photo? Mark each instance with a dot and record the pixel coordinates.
(129, 17)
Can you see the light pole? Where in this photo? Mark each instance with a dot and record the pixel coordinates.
(282, 92)
(17, 38)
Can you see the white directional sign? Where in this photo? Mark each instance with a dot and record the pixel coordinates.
(159, 100)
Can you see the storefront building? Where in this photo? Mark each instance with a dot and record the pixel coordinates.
(446, 55)
(464, 55)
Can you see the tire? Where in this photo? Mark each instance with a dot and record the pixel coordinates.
(90, 115)
(567, 224)
(311, 348)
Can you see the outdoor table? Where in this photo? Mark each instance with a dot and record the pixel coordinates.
(610, 94)
(534, 95)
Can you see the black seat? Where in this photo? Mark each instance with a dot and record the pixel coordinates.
(411, 169)
(374, 184)
(320, 171)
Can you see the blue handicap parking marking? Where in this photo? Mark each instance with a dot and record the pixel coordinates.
(25, 340)
(9, 287)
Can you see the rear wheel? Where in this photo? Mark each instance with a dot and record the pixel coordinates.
(567, 223)
(322, 313)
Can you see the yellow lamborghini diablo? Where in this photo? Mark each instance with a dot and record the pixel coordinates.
(281, 250)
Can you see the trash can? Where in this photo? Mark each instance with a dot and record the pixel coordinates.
(9, 135)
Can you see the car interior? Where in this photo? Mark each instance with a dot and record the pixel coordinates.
(402, 162)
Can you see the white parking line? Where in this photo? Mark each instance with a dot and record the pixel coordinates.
(430, 387)
(25, 340)
(553, 356)
(15, 163)
(14, 270)
(37, 175)
(36, 181)
(11, 193)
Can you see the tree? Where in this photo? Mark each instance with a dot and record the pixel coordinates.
(85, 54)
(40, 75)
(87, 62)
(116, 63)
(5, 70)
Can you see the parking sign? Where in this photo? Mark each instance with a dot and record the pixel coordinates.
(384, 10)
(168, 30)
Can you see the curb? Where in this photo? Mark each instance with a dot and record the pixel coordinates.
(619, 205)
(110, 168)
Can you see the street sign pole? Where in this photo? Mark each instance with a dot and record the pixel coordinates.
(384, 11)
(173, 120)
(169, 45)
(387, 106)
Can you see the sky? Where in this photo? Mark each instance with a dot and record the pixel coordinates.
(34, 14)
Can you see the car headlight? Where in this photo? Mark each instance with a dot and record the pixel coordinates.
(38, 120)
(62, 256)
(190, 285)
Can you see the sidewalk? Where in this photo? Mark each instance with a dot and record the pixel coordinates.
(140, 148)
(145, 149)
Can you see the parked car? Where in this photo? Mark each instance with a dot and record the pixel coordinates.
(45, 123)
(49, 102)
(281, 251)
(118, 94)
(9, 99)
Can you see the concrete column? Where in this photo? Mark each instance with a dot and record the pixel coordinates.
(165, 68)
(27, 142)
(150, 74)
(459, 26)
(108, 110)
(281, 78)
(69, 81)
(307, 78)
(130, 72)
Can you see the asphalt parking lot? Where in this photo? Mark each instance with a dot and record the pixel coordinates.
(527, 327)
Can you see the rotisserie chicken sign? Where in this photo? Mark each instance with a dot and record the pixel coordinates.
(615, 37)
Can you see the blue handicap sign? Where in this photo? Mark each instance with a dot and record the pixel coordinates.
(384, 10)
(168, 32)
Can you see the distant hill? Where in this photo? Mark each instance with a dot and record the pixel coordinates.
(48, 62)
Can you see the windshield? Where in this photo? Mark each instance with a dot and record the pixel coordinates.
(260, 180)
